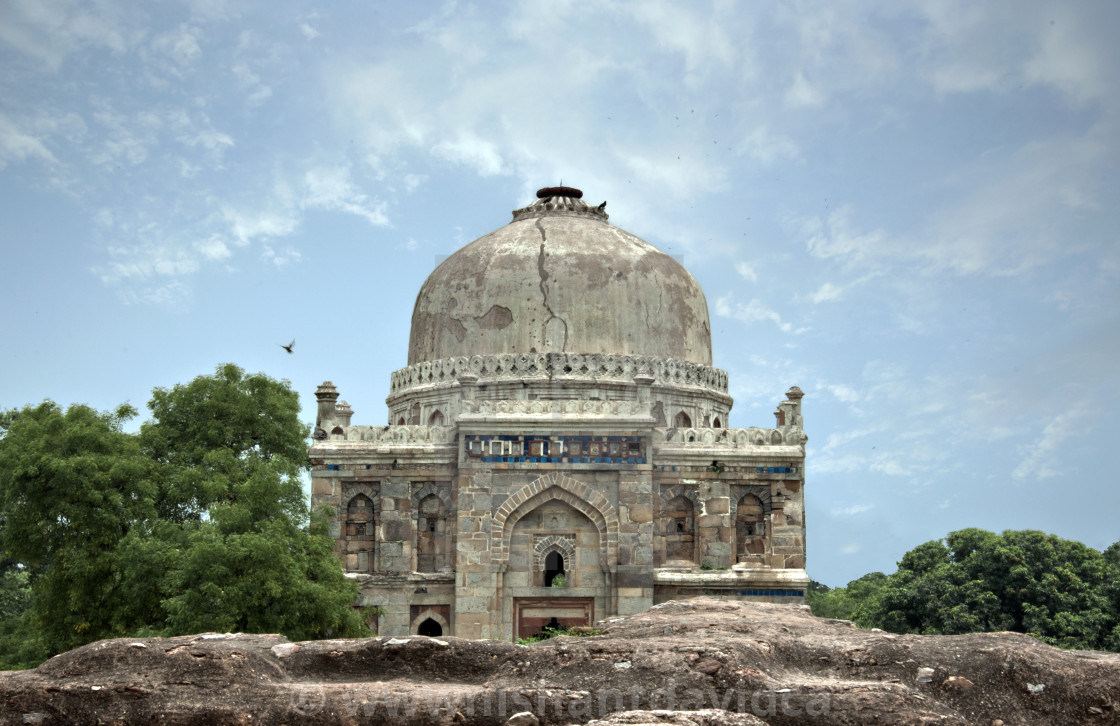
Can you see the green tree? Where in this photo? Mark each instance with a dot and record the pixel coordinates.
(846, 603)
(209, 434)
(199, 522)
(72, 486)
(246, 554)
(1059, 590)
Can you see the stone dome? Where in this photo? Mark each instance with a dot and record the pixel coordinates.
(560, 278)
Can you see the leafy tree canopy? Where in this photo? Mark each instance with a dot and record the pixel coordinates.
(198, 522)
(1059, 590)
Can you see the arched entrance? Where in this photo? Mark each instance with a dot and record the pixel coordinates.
(430, 628)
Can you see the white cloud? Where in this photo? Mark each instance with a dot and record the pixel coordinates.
(245, 226)
(258, 91)
(1067, 62)
(309, 32)
(826, 292)
(52, 31)
(1042, 457)
(181, 44)
(155, 257)
(330, 188)
(766, 147)
(843, 393)
(836, 236)
(703, 41)
(852, 510)
(750, 313)
(471, 150)
(281, 258)
(17, 145)
(802, 94)
(213, 249)
(746, 271)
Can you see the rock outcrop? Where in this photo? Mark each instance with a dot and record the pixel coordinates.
(701, 661)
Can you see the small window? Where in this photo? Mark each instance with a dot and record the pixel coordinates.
(553, 569)
(573, 448)
(716, 423)
(538, 448)
(615, 448)
(634, 448)
(515, 448)
(594, 448)
(474, 447)
(436, 419)
(682, 421)
(495, 448)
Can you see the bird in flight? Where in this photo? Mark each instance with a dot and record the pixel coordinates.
(288, 347)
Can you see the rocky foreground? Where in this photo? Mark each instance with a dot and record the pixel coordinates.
(705, 662)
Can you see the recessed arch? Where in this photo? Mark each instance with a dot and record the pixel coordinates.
(429, 614)
(555, 485)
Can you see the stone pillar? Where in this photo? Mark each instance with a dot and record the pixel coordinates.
(478, 612)
(645, 383)
(715, 524)
(468, 383)
(326, 395)
(343, 412)
(395, 535)
(631, 585)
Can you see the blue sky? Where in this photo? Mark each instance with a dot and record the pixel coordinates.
(908, 209)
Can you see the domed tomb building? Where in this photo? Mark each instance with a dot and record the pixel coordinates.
(557, 450)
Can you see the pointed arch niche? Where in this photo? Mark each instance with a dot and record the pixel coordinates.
(750, 511)
(360, 515)
(431, 523)
(555, 486)
(677, 542)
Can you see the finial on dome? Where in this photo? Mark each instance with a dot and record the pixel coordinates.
(561, 200)
(559, 192)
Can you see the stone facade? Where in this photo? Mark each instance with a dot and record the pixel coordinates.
(514, 489)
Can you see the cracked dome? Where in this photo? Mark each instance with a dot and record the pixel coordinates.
(560, 278)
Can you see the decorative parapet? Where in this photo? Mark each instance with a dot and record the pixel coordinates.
(553, 408)
(788, 432)
(590, 366)
(418, 435)
(707, 438)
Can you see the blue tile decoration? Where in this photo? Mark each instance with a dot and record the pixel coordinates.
(557, 447)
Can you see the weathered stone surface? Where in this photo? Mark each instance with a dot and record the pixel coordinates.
(559, 387)
(701, 661)
(549, 271)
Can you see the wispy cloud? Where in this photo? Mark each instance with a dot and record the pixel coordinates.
(1043, 455)
(852, 510)
(18, 145)
(752, 312)
(746, 271)
(331, 188)
(826, 292)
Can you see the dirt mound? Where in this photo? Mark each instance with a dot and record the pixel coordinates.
(705, 662)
